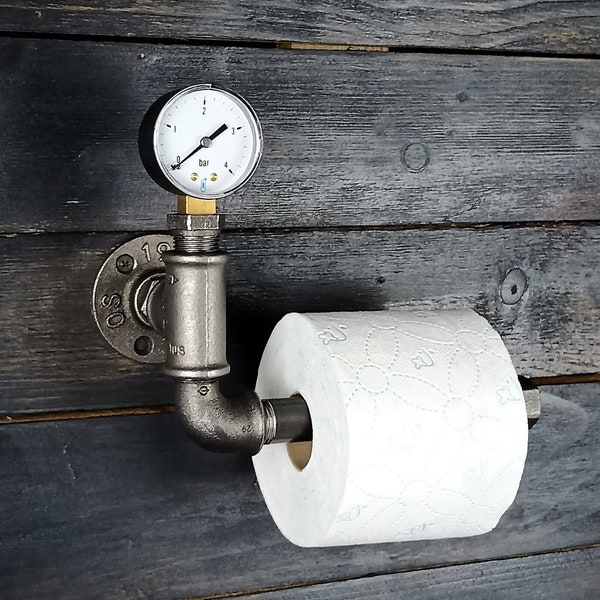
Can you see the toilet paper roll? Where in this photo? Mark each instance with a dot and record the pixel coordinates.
(419, 427)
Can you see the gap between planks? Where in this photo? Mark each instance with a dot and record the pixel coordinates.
(308, 585)
(294, 45)
(318, 46)
(442, 226)
(73, 415)
(323, 46)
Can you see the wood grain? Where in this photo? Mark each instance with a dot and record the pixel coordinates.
(126, 507)
(52, 356)
(353, 139)
(574, 575)
(370, 159)
(514, 25)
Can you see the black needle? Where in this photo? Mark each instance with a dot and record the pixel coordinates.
(205, 142)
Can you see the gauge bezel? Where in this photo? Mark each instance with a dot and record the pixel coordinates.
(148, 141)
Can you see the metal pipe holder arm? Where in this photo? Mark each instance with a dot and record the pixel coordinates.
(219, 423)
(192, 303)
(195, 336)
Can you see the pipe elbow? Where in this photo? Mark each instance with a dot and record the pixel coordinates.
(218, 423)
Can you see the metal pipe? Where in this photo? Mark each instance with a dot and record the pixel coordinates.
(290, 419)
(149, 303)
(155, 305)
(533, 401)
(241, 424)
(247, 423)
(195, 334)
(218, 423)
(194, 298)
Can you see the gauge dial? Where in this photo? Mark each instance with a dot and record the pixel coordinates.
(206, 142)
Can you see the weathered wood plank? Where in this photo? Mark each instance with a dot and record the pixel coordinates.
(516, 25)
(350, 138)
(53, 357)
(574, 575)
(126, 507)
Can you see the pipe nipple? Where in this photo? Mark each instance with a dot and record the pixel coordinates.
(270, 418)
(195, 242)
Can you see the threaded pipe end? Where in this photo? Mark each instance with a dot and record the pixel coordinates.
(270, 421)
(193, 242)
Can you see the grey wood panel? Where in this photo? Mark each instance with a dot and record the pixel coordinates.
(53, 357)
(574, 575)
(126, 507)
(488, 139)
(517, 25)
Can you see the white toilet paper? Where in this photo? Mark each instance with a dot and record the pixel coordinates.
(419, 427)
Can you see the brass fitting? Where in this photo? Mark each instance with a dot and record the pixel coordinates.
(188, 205)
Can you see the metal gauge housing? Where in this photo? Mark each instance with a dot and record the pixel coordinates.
(202, 141)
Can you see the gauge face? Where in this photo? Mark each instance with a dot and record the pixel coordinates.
(206, 142)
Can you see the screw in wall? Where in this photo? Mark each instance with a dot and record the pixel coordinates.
(125, 263)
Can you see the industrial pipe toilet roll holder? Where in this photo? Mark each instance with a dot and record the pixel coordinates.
(161, 298)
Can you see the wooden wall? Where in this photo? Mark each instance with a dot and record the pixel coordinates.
(414, 153)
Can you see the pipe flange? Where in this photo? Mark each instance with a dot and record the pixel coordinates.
(131, 271)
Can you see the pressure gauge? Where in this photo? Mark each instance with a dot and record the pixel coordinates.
(202, 141)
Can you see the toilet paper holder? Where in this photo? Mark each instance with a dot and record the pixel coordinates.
(161, 299)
